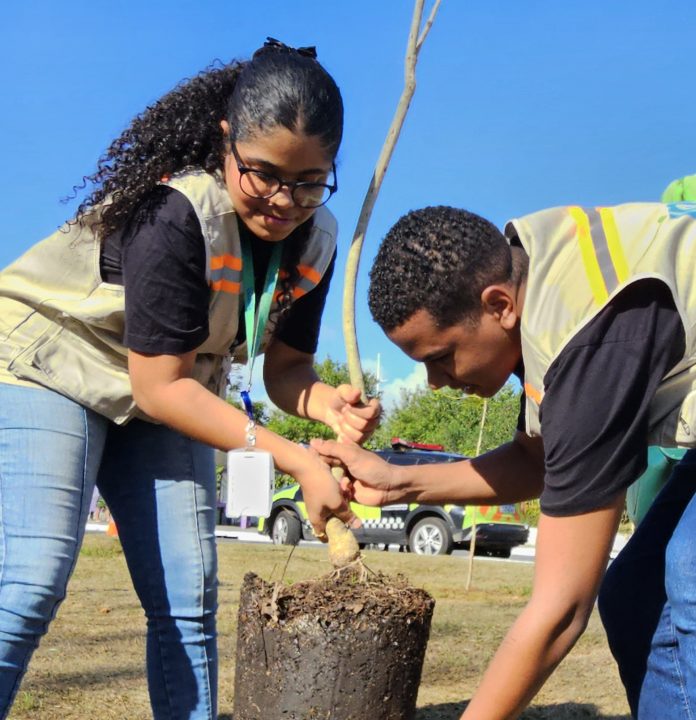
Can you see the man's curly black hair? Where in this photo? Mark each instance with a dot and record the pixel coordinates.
(279, 86)
(437, 259)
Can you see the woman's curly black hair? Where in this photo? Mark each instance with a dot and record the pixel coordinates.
(278, 86)
(181, 129)
(438, 259)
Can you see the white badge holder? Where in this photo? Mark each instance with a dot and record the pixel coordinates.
(250, 479)
(250, 482)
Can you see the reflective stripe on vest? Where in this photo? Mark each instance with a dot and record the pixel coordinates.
(581, 258)
(533, 393)
(226, 276)
(308, 279)
(226, 273)
(602, 254)
(79, 322)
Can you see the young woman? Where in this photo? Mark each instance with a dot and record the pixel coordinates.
(115, 334)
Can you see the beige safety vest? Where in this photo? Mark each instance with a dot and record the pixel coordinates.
(62, 327)
(579, 259)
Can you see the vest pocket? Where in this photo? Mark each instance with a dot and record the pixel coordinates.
(62, 361)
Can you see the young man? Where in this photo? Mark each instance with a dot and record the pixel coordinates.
(595, 310)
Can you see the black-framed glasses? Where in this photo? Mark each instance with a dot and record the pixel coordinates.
(262, 185)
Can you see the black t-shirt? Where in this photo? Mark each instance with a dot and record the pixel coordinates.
(597, 395)
(160, 261)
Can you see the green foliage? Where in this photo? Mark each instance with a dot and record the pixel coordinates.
(381, 438)
(531, 512)
(451, 419)
(283, 480)
(444, 416)
(336, 373)
(297, 429)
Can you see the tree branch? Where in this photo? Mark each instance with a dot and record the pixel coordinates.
(353, 261)
(428, 23)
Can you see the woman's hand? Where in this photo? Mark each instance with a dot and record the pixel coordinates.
(323, 496)
(350, 418)
(293, 386)
(369, 480)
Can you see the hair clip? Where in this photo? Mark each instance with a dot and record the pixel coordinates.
(310, 51)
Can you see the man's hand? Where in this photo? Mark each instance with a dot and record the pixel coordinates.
(322, 495)
(350, 418)
(369, 480)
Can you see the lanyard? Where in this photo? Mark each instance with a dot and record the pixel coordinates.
(255, 319)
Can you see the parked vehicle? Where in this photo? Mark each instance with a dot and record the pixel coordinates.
(422, 529)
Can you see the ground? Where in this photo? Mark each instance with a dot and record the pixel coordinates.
(91, 662)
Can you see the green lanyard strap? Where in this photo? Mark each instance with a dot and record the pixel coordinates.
(255, 320)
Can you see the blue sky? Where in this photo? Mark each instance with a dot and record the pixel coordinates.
(519, 106)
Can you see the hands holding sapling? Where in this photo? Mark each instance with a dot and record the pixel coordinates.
(352, 420)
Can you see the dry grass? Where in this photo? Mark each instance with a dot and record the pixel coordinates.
(91, 665)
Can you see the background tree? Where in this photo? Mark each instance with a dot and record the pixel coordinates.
(236, 379)
(448, 418)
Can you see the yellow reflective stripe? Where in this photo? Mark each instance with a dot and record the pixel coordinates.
(616, 252)
(589, 257)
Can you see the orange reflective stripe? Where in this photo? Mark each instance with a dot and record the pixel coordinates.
(225, 274)
(309, 279)
(532, 393)
(310, 273)
(297, 292)
(228, 261)
(306, 271)
(227, 286)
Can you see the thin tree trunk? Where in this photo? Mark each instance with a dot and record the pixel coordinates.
(472, 544)
(350, 337)
(415, 41)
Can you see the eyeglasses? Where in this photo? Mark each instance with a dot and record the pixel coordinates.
(262, 185)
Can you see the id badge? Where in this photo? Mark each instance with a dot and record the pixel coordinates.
(250, 483)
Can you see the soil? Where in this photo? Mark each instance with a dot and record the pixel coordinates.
(341, 647)
(91, 663)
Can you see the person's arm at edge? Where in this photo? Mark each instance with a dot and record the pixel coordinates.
(571, 557)
(164, 389)
(482, 480)
(622, 355)
(293, 385)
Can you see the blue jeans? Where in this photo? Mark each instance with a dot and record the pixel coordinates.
(648, 604)
(160, 488)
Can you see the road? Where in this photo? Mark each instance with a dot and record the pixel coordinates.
(522, 554)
